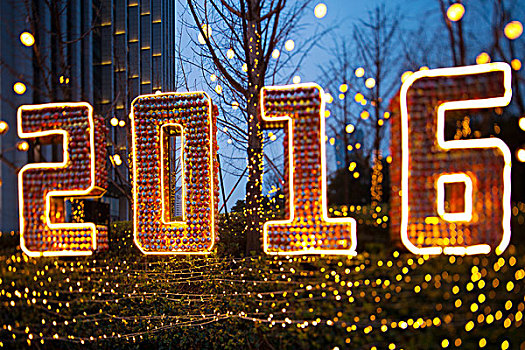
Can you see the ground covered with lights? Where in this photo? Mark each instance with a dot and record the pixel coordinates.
(380, 299)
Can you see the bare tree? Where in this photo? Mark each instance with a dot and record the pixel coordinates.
(243, 50)
(360, 91)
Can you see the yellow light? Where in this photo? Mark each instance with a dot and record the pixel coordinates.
(320, 10)
(386, 115)
(380, 122)
(61, 79)
(516, 64)
(244, 67)
(389, 159)
(19, 88)
(235, 105)
(117, 160)
(206, 29)
(365, 115)
(350, 128)
(423, 68)
(364, 102)
(27, 39)
(359, 97)
(327, 113)
(296, 79)
(328, 98)
(352, 166)
(276, 53)
(332, 141)
(273, 137)
(3, 127)
(522, 123)
(114, 121)
(359, 72)
(455, 12)
(357, 145)
(370, 83)
(22, 146)
(218, 89)
(343, 88)
(289, 45)
(230, 54)
(356, 175)
(122, 123)
(350, 147)
(405, 75)
(444, 343)
(513, 30)
(483, 58)
(341, 96)
(213, 77)
(520, 154)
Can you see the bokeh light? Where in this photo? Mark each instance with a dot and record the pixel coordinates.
(320, 10)
(455, 12)
(27, 39)
(19, 88)
(513, 30)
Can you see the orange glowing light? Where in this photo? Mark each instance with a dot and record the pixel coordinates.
(81, 174)
(513, 30)
(455, 12)
(308, 230)
(152, 117)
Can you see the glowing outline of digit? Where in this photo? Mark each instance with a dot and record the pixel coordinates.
(457, 144)
(211, 174)
(61, 193)
(324, 207)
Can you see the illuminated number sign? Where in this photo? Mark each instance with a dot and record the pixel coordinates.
(153, 119)
(299, 109)
(428, 215)
(44, 186)
(479, 169)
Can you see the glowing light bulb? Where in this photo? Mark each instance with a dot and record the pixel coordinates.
(230, 53)
(276, 53)
(365, 115)
(117, 160)
(19, 88)
(207, 31)
(349, 128)
(320, 10)
(520, 154)
(483, 58)
(296, 79)
(359, 97)
(27, 39)
(359, 72)
(122, 123)
(522, 123)
(289, 45)
(513, 30)
(455, 12)
(114, 121)
(22, 146)
(213, 77)
(405, 75)
(370, 83)
(343, 88)
(3, 127)
(516, 64)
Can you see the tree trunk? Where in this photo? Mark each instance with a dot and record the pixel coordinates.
(254, 58)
